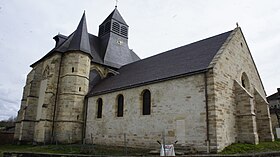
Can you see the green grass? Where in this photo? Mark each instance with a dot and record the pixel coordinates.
(241, 148)
(73, 149)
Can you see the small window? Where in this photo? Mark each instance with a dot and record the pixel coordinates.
(245, 81)
(120, 106)
(99, 108)
(146, 99)
(241, 44)
(73, 69)
(80, 89)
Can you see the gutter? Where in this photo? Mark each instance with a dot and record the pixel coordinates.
(207, 112)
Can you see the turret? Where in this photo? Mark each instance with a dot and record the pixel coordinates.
(73, 85)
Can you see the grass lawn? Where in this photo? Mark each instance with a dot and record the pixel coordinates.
(237, 148)
(73, 149)
(240, 148)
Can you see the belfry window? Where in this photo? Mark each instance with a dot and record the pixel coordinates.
(120, 106)
(107, 27)
(146, 99)
(99, 108)
(101, 30)
(124, 31)
(116, 27)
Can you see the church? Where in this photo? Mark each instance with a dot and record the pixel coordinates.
(94, 89)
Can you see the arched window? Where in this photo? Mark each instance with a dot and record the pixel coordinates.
(120, 106)
(46, 72)
(99, 108)
(116, 27)
(146, 99)
(245, 81)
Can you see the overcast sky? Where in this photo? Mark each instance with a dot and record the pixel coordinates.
(28, 26)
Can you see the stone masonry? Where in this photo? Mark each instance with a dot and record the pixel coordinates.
(238, 111)
(206, 106)
(228, 97)
(43, 99)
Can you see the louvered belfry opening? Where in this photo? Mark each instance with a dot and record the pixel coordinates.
(114, 27)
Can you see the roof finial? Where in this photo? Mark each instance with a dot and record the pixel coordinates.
(116, 3)
(237, 24)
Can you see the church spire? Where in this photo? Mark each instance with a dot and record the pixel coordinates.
(80, 39)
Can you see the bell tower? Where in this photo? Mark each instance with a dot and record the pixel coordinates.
(113, 34)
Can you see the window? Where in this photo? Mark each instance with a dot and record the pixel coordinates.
(73, 69)
(99, 108)
(124, 31)
(101, 30)
(116, 27)
(245, 81)
(120, 106)
(146, 99)
(107, 27)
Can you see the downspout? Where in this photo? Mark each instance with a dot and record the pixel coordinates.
(85, 120)
(207, 113)
(56, 98)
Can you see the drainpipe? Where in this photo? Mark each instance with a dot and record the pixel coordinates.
(207, 113)
(85, 119)
(56, 98)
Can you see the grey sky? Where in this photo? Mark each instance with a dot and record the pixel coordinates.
(27, 28)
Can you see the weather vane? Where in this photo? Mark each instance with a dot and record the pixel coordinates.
(116, 3)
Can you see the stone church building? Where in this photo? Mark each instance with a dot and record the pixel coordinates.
(94, 89)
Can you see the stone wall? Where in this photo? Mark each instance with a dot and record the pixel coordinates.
(274, 120)
(36, 111)
(178, 109)
(40, 100)
(231, 63)
(73, 87)
(47, 97)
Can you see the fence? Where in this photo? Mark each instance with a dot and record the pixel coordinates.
(6, 138)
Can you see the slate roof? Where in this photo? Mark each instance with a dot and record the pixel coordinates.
(83, 41)
(116, 16)
(274, 96)
(185, 60)
(78, 40)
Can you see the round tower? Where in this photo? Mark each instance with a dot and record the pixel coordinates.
(73, 86)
